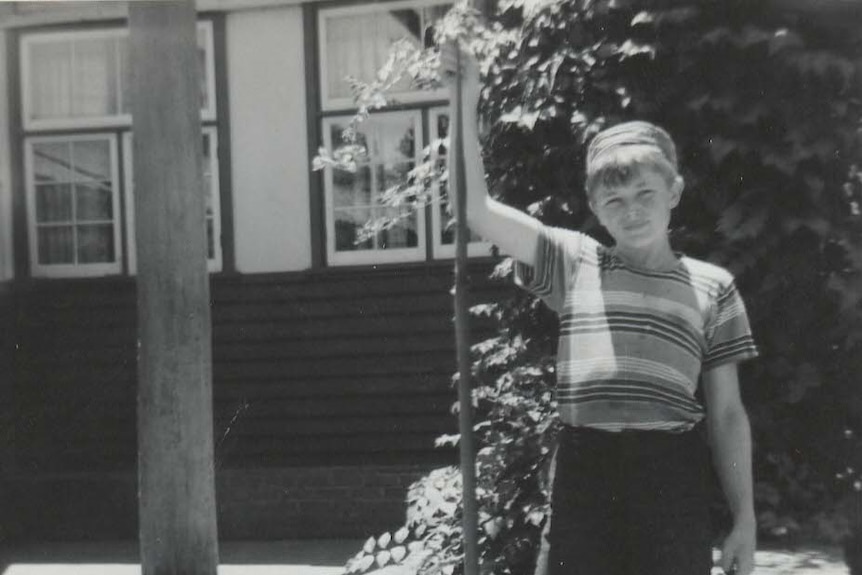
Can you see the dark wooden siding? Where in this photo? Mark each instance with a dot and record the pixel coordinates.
(337, 366)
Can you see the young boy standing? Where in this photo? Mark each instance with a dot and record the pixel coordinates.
(640, 328)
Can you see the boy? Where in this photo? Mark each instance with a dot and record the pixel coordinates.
(640, 328)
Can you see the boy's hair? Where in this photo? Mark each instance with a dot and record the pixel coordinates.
(617, 154)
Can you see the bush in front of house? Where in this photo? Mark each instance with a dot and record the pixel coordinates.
(764, 106)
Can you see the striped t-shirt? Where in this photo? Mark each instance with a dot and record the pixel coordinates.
(633, 342)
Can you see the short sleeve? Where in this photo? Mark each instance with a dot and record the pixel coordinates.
(557, 259)
(729, 338)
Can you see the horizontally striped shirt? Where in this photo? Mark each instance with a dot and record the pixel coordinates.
(633, 342)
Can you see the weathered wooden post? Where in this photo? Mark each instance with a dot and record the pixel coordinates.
(470, 523)
(176, 486)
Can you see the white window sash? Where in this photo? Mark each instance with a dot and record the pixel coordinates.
(370, 256)
(214, 264)
(330, 103)
(475, 248)
(38, 269)
(28, 41)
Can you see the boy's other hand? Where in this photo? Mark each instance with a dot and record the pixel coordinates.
(737, 553)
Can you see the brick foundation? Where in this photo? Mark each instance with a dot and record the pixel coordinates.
(262, 504)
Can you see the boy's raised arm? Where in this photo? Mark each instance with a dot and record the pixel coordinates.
(513, 231)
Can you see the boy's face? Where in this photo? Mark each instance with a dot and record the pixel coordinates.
(637, 213)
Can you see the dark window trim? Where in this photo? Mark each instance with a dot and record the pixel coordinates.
(313, 107)
(20, 236)
(223, 152)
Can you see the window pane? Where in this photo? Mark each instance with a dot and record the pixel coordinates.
(88, 75)
(94, 82)
(92, 160)
(50, 79)
(357, 45)
(210, 239)
(54, 203)
(95, 243)
(402, 234)
(447, 224)
(204, 71)
(94, 202)
(391, 175)
(391, 137)
(125, 76)
(348, 223)
(56, 245)
(207, 175)
(52, 163)
(351, 189)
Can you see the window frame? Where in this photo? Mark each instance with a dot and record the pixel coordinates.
(374, 255)
(215, 263)
(74, 269)
(335, 103)
(29, 39)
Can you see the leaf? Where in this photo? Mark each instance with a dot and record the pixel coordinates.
(784, 39)
(398, 553)
(642, 18)
(741, 221)
(720, 148)
(447, 440)
(401, 535)
(631, 48)
(383, 558)
(370, 544)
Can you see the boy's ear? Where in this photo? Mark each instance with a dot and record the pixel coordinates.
(676, 189)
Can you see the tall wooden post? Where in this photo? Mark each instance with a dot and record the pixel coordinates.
(457, 182)
(176, 487)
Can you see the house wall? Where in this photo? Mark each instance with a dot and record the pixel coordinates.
(330, 385)
(269, 149)
(329, 389)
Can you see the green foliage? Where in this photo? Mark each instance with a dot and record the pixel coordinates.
(764, 106)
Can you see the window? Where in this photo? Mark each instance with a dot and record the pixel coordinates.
(72, 193)
(75, 114)
(391, 140)
(354, 41)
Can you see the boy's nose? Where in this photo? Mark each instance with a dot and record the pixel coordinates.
(633, 212)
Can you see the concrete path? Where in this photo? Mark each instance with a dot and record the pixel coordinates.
(311, 557)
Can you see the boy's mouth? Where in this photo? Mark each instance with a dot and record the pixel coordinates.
(635, 226)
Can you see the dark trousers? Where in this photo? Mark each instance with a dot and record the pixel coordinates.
(628, 503)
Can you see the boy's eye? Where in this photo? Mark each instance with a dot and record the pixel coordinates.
(612, 203)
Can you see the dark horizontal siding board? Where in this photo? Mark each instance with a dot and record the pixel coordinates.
(390, 364)
(385, 385)
(307, 367)
(298, 409)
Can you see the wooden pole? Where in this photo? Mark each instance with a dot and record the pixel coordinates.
(457, 182)
(462, 339)
(177, 513)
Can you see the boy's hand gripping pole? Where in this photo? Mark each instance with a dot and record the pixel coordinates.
(457, 183)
